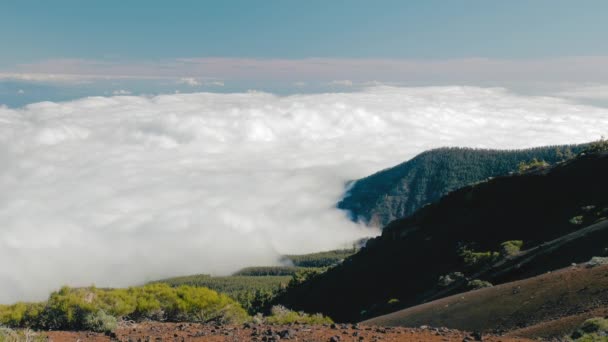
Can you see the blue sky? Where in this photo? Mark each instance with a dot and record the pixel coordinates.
(144, 40)
(35, 30)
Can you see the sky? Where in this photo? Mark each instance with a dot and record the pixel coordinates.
(144, 139)
(66, 49)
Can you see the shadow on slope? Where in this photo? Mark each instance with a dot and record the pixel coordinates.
(401, 190)
(549, 305)
(407, 260)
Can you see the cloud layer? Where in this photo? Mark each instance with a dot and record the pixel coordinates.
(120, 190)
(488, 71)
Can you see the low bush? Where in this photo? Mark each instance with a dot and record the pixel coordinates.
(305, 275)
(393, 301)
(478, 284)
(577, 220)
(98, 309)
(100, 322)
(449, 279)
(10, 335)
(473, 259)
(512, 247)
(282, 315)
(593, 329)
(531, 165)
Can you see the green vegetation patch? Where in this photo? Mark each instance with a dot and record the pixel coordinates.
(473, 259)
(531, 165)
(282, 315)
(253, 293)
(98, 309)
(478, 284)
(10, 335)
(510, 248)
(593, 329)
(598, 146)
(263, 271)
(230, 285)
(321, 259)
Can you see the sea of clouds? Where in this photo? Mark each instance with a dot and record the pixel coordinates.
(117, 191)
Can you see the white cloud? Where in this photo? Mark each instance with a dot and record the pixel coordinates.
(587, 92)
(341, 83)
(203, 71)
(194, 82)
(191, 81)
(120, 190)
(121, 92)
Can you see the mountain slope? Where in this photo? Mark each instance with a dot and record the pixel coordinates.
(573, 294)
(401, 190)
(463, 232)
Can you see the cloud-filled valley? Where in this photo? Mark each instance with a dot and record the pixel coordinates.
(116, 191)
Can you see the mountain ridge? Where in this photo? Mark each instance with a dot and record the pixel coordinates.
(400, 190)
(406, 262)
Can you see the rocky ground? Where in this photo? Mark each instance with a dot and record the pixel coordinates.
(176, 332)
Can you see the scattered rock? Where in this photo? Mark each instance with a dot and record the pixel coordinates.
(477, 336)
(287, 334)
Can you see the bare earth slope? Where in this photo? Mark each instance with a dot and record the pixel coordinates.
(547, 305)
(200, 332)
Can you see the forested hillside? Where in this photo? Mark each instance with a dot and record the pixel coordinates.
(507, 228)
(401, 190)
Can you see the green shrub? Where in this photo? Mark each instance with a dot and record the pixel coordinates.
(533, 164)
(96, 309)
(254, 302)
(449, 279)
(473, 259)
(577, 220)
(593, 329)
(251, 291)
(282, 315)
(20, 314)
(305, 275)
(100, 322)
(512, 247)
(393, 301)
(10, 335)
(478, 284)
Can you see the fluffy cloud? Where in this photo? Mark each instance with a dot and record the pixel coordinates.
(121, 92)
(191, 81)
(117, 191)
(588, 92)
(341, 83)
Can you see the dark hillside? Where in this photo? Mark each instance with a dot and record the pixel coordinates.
(550, 305)
(464, 232)
(401, 190)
